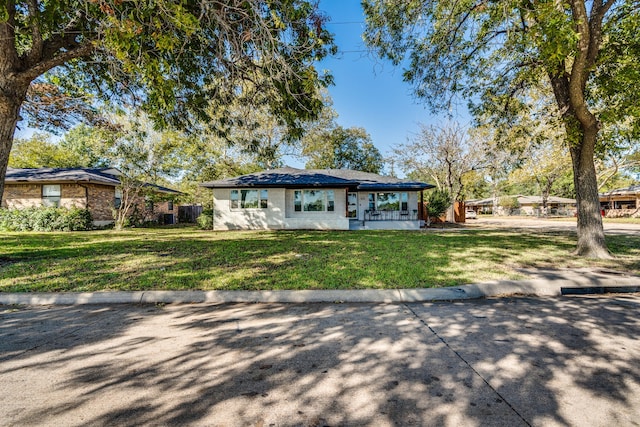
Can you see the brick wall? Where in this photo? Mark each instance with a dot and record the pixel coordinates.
(99, 199)
(22, 196)
(73, 196)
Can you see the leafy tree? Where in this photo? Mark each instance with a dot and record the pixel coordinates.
(545, 164)
(89, 144)
(587, 53)
(39, 151)
(170, 57)
(620, 159)
(438, 203)
(508, 203)
(442, 154)
(342, 148)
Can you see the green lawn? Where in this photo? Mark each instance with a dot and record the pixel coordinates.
(186, 258)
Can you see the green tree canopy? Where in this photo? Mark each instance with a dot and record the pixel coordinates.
(342, 148)
(39, 151)
(585, 53)
(172, 58)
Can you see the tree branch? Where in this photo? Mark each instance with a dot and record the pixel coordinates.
(35, 53)
(8, 52)
(580, 69)
(55, 60)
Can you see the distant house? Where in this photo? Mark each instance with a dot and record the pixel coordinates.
(527, 205)
(94, 189)
(621, 201)
(332, 199)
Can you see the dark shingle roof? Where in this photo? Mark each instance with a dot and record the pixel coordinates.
(634, 189)
(105, 176)
(98, 176)
(301, 178)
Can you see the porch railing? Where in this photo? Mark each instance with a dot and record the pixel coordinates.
(410, 215)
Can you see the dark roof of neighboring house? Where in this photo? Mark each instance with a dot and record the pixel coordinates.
(332, 178)
(634, 189)
(105, 176)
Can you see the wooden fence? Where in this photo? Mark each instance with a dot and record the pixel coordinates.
(189, 214)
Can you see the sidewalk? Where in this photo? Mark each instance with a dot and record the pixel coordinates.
(543, 283)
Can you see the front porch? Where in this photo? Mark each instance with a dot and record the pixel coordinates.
(356, 224)
(391, 215)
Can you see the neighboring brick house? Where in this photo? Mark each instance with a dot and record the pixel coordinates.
(621, 202)
(94, 189)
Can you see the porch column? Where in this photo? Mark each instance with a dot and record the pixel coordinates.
(346, 202)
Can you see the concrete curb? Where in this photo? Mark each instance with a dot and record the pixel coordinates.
(534, 287)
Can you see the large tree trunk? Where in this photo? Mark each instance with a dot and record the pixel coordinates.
(591, 240)
(11, 99)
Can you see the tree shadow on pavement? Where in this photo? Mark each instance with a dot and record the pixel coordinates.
(514, 361)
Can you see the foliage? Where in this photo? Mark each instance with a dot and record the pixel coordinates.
(342, 148)
(502, 51)
(583, 54)
(136, 259)
(508, 202)
(205, 220)
(45, 219)
(439, 201)
(544, 164)
(39, 152)
(326, 144)
(174, 59)
(171, 56)
(442, 155)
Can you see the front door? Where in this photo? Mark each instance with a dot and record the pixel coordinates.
(352, 205)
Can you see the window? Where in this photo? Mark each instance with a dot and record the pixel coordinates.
(404, 202)
(314, 200)
(234, 199)
(117, 199)
(264, 199)
(170, 205)
(149, 205)
(388, 201)
(249, 199)
(51, 195)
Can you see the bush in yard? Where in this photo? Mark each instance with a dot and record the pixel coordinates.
(45, 219)
(438, 203)
(205, 220)
(78, 219)
(508, 203)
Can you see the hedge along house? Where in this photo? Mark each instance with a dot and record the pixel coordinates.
(331, 199)
(94, 189)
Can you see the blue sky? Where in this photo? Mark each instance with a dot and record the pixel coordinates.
(368, 91)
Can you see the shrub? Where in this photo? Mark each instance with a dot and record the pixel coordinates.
(78, 219)
(45, 219)
(508, 202)
(205, 220)
(439, 202)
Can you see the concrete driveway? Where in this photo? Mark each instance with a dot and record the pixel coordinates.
(506, 362)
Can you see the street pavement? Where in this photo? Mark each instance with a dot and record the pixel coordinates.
(547, 224)
(512, 361)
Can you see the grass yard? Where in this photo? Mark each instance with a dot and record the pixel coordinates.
(186, 258)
